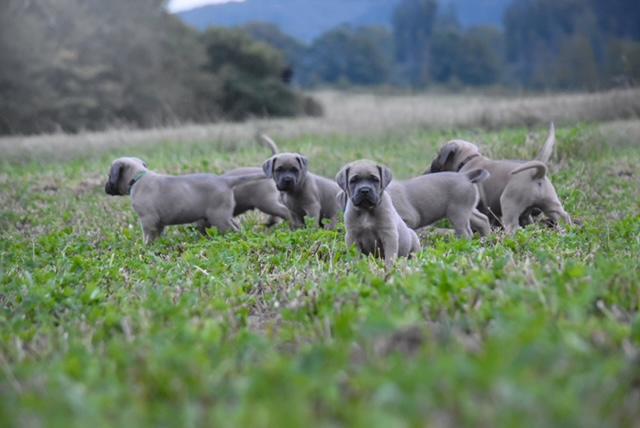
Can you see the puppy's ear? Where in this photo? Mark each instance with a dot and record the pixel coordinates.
(446, 154)
(303, 161)
(342, 178)
(144, 164)
(385, 176)
(111, 187)
(268, 166)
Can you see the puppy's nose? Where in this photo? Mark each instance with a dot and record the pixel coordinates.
(287, 180)
(365, 190)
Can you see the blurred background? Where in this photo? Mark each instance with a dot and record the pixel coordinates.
(77, 65)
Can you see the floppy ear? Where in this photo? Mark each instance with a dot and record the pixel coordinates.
(342, 178)
(446, 154)
(114, 175)
(303, 161)
(268, 166)
(385, 176)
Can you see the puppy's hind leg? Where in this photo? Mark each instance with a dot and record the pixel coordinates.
(460, 218)
(480, 223)
(222, 219)
(510, 215)
(276, 211)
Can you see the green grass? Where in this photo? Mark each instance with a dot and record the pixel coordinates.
(279, 328)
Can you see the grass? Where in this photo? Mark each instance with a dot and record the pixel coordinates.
(281, 328)
(357, 115)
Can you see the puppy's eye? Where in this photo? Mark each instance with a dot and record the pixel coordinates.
(354, 179)
(279, 169)
(375, 179)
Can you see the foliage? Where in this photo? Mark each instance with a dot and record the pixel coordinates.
(347, 55)
(280, 328)
(413, 22)
(572, 43)
(564, 44)
(72, 65)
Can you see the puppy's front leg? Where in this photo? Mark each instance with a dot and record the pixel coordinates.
(333, 223)
(297, 221)
(151, 233)
(314, 211)
(480, 223)
(389, 239)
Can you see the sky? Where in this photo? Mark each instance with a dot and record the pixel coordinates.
(180, 5)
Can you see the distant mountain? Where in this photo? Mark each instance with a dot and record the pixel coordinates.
(307, 19)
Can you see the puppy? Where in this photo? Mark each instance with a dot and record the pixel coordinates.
(514, 189)
(372, 223)
(303, 193)
(163, 200)
(259, 194)
(423, 200)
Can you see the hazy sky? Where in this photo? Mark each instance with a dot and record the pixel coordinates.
(179, 5)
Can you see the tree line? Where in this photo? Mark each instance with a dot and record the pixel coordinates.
(545, 44)
(72, 65)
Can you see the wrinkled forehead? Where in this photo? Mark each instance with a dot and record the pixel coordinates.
(128, 161)
(364, 169)
(465, 146)
(287, 159)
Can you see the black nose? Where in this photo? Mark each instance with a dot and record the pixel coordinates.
(365, 190)
(287, 180)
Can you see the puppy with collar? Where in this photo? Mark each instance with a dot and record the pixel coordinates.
(303, 193)
(371, 220)
(163, 200)
(514, 189)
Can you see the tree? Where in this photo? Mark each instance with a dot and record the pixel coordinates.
(413, 22)
(250, 75)
(360, 56)
(270, 34)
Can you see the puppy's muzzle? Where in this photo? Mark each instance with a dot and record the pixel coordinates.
(365, 197)
(110, 189)
(285, 183)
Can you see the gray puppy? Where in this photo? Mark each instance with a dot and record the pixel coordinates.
(163, 200)
(515, 188)
(423, 200)
(303, 193)
(259, 194)
(371, 220)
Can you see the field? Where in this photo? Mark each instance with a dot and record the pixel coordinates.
(269, 327)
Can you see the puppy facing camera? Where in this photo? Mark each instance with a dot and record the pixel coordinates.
(373, 225)
(303, 193)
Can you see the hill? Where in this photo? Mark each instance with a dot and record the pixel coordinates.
(306, 20)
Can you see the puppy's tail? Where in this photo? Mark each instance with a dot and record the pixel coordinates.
(237, 180)
(547, 150)
(265, 140)
(477, 175)
(541, 169)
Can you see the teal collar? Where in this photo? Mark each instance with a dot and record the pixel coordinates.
(137, 178)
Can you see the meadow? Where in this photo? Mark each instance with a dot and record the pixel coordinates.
(269, 327)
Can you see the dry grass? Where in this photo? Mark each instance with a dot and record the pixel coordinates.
(356, 114)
